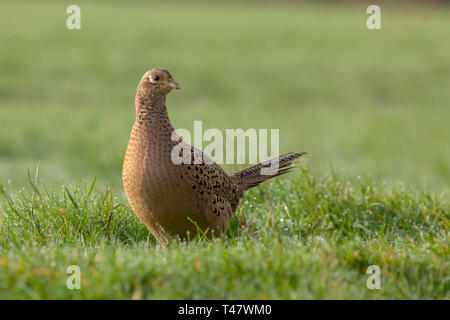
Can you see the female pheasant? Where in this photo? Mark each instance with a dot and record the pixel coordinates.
(168, 197)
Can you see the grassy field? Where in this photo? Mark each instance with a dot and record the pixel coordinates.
(370, 107)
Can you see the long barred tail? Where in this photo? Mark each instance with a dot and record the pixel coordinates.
(252, 176)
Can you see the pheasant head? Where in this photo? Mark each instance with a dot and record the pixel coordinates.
(156, 82)
(152, 90)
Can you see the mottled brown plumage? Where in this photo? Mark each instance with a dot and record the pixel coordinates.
(163, 194)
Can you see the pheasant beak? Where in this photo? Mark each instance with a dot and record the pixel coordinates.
(174, 84)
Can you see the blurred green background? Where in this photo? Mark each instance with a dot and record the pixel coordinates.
(370, 103)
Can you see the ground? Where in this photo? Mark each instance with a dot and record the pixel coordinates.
(369, 107)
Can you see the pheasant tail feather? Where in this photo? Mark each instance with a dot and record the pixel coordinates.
(252, 176)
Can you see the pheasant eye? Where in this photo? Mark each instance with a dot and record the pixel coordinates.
(154, 79)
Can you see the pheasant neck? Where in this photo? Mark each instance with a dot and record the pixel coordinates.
(151, 115)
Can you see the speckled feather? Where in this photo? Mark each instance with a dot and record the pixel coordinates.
(163, 194)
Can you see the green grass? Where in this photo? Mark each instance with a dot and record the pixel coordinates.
(370, 107)
(303, 238)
